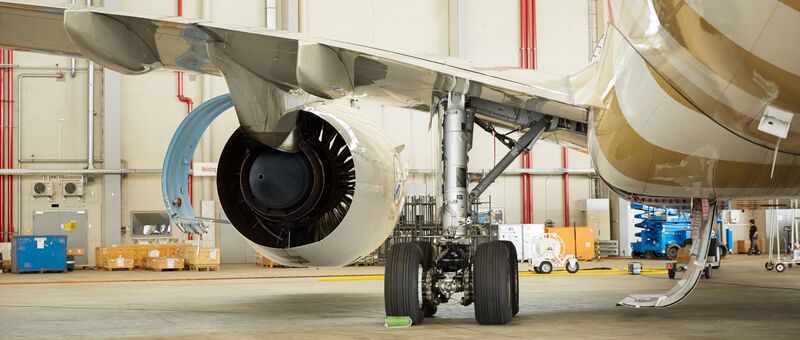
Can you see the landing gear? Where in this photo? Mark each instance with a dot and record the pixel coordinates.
(486, 273)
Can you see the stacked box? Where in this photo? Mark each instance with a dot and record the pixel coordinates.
(76, 252)
(118, 263)
(139, 253)
(200, 256)
(163, 263)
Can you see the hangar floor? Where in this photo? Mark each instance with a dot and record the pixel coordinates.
(740, 300)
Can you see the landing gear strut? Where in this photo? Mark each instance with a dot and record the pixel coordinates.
(484, 273)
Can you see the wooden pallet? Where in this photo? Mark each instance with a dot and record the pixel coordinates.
(165, 263)
(199, 268)
(165, 269)
(109, 269)
(269, 264)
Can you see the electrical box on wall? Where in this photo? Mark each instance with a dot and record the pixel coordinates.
(72, 188)
(42, 189)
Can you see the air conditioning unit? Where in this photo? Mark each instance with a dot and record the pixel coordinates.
(72, 188)
(42, 189)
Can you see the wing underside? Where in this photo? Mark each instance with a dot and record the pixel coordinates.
(287, 62)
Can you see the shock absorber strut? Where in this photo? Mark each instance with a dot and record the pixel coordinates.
(456, 142)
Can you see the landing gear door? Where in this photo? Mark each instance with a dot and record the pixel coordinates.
(703, 219)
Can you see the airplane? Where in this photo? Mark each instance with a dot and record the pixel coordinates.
(689, 103)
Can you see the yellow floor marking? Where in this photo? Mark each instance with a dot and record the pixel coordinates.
(601, 272)
(353, 278)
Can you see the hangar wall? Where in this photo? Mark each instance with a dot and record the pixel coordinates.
(55, 119)
(491, 37)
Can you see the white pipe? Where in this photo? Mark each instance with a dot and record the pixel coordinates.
(41, 68)
(90, 113)
(55, 172)
(73, 63)
(516, 172)
(207, 139)
(90, 118)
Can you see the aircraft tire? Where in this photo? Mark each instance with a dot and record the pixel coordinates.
(493, 286)
(401, 285)
(514, 270)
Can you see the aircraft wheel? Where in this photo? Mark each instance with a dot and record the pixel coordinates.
(493, 284)
(402, 286)
(546, 267)
(780, 267)
(514, 270)
(430, 307)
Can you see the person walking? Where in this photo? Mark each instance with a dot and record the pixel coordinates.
(753, 239)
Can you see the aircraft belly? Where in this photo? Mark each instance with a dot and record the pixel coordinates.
(732, 62)
(648, 139)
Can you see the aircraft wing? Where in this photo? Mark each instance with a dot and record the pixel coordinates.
(134, 43)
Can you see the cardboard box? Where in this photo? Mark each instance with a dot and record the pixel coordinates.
(76, 252)
(684, 255)
(585, 240)
(200, 257)
(118, 263)
(743, 246)
(165, 263)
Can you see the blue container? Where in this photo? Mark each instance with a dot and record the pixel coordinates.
(729, 239)
(38, 254)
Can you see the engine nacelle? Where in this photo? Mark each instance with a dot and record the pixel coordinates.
(334, 201)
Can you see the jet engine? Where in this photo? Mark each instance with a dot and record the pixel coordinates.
(335, 200)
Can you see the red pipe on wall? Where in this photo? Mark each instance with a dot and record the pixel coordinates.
(10, 100)
(523, 33)
(565, 160)
(2, 146)
(533, 64)
(10, 144)
(527, 58)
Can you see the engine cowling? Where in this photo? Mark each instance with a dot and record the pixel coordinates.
(334, 201)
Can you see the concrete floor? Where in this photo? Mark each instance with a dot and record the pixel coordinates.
(742, 300)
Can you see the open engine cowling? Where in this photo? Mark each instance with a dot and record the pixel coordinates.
(335, 200)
